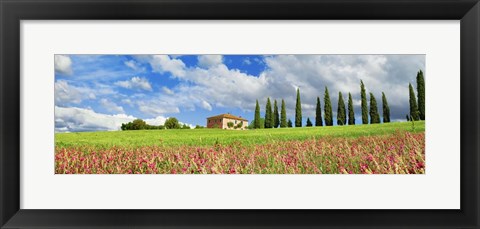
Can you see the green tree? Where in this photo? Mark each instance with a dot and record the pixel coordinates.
(341, 113)
(172, 123)
(363, 96)
(256, 121)
(413, 104)
(268, 114)
(351, 113)
(252, 124)
(386, 109)
(309, 123)
(318, 114)
(139, 124)
(327, 109)
(421, 95)
(276, 118)
(290, 124)
(374, 116)
(283, 116)
(298, 110)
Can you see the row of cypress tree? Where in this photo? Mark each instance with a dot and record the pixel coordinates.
(274, 120)
(417, 111)
(342, 118)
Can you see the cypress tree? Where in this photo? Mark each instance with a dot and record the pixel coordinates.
(309, 123)
(413, 104)
(364, 103)
(327, 109)
(408, 118)
(351, 113)
(298, 110)
(318, 114)
(386, 109)
(276, 118)
(283, 116)
(421, 95)
(290, 123)
(374, 116)
(268, 114)
(341, 113)
(256, 121)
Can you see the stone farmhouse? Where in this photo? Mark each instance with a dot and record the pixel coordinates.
(227, 121)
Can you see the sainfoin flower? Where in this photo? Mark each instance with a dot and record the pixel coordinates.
(388, 154)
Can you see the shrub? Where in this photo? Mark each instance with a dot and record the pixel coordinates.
(172, 123)
(240, 124)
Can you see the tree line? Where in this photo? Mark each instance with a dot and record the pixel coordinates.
(272, 118)
(170, 123)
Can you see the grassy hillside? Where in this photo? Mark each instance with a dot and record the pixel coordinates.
(205, 137)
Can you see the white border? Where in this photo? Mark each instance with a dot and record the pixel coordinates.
(438, 188)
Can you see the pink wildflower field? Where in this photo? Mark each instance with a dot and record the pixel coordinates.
(396, 153)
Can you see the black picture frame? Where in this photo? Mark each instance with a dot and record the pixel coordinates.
(13, 11)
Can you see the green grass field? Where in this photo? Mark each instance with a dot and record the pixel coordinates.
(206, 137)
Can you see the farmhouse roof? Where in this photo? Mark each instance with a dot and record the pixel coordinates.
(228, 116)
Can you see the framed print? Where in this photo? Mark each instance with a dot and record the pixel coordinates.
(239, 114)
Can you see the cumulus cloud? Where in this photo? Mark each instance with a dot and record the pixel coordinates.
(128, 102)
(153, 107)
(167, 90)
(68, 94)
(208, 61)
(74, 119)
(163, 63)
(157, 121)
(206, 105)
(223, 87)
(63, 64)
(134, 65)
(111, 106)
(136, 82)
(342, 73)
(213, 84)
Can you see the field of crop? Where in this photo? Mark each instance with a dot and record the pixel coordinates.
(391, 148)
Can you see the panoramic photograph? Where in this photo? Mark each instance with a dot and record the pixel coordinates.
(239, 114)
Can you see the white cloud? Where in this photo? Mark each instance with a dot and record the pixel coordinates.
(208, 61)
(111, 106)
(134, 65)
(167, 90)
(223, 87)
(135, 83)
(63, 64)
(74, 119)
(206, 105)
(66, 93)
(163, 63)
(220, 86)
(155, 107)
(128, 102)
(157, 121)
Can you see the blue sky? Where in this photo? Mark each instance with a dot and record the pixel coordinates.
(99, 92)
